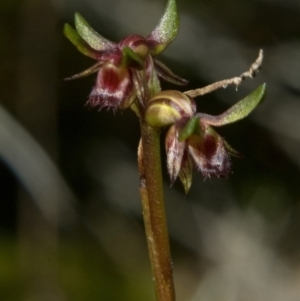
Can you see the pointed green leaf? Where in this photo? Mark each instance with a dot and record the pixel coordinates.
(94, 39)
(166, 30)
(238, 111)
(191, 127)
(78, 42)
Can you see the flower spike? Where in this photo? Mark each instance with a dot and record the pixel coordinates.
(128, 76)
(166, 31)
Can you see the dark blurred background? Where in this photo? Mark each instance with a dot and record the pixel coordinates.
(70, 214)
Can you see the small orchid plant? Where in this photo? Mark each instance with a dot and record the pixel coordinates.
(128, 77)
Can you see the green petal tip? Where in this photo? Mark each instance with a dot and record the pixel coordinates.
(238, 111)
(94, 39)
(186, 175)
(78, 42)
(166, 30)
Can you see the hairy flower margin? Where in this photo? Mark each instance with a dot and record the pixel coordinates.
(191, 140)
(128, 77)
(126, 70)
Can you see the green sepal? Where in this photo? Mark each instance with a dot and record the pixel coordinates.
(93, 38)
(238, 111)
(166, 30)
(191, 127)
(153, 82)
(244, 107)
(86, 72)
(186, 174)
(78, 42)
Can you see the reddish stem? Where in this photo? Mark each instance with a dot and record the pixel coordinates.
(151, 191)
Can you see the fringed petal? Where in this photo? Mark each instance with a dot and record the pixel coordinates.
(209, 154)
(114, 88)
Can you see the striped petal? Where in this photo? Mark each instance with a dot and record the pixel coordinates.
(175, 150)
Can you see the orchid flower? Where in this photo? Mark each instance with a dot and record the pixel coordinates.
(191, 141)
(126, 70)
(129, 77)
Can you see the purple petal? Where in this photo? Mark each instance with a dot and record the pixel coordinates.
(209, 154)
(114, 88)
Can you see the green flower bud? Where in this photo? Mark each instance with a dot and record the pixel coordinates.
(168, 107)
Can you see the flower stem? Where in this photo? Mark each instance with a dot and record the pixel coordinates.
(151, 191)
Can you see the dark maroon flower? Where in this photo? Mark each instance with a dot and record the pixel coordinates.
(114, 88)
(204, 149)
(191, 141)
(126, 70)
